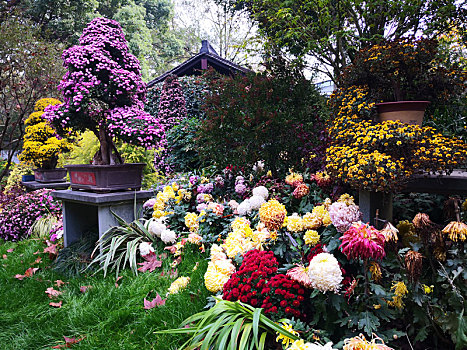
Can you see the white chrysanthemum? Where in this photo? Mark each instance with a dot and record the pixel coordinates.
(168, 236)
(233, 204)
(301, 345)
(261, 191)
(244, 208)
(325, 273)
(156, 227)
(145, 248)
(256, 202)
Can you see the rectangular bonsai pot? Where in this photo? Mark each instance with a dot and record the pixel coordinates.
(106, 178)
(50, 175)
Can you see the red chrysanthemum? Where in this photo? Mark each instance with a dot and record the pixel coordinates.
(362, 241)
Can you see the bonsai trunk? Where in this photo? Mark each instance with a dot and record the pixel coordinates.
(108, 153)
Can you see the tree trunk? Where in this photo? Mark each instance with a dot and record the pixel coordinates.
(108, 153)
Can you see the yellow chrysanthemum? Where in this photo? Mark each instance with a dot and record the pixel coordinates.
(272, 214)
(214, 279)
(311, 237)
(295, 223)
(284, 339)
(191, 221)
(400, 290)
(178, 285)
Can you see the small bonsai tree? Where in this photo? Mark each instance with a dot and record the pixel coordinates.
(42, 145)
(103, 92)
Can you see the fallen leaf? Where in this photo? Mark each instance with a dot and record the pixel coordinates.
(116, 281)
(59, 283)
(35, 253)
(68, 343)
(10, 250)
(37, 261)
(51, 249)
(4, 256)
(151, 263)
(29, 272)
(83, 289)
(157, 301)
(57, 305)
(172, 249)
(53, 293)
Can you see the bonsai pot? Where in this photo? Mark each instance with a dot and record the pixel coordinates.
(50, 175)
(409, 112)
(27, 178)
(106, 178)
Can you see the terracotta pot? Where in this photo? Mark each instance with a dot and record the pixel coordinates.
(50, 175)
(106, 178)
(409, 112)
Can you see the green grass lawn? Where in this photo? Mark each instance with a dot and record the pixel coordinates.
(106, 316)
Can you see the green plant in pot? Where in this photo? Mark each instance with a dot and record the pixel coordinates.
(42, 145)
(403, 74)
(103, 92)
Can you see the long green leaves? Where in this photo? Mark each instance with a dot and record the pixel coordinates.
(118, 246)
(229, 325)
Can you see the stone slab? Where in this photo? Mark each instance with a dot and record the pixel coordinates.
(456, 183)
(101, 198)
(34, 185)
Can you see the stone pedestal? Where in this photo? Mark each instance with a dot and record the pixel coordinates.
(86, 211)
(370, 202)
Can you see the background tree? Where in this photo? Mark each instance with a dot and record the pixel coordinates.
(273, 117)
(30, 69)
(333, 31)
(146, 23)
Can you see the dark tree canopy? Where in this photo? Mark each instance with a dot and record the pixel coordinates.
(333, 31)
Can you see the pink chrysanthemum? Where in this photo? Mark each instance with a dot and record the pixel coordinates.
(363, 241)
(300, 274)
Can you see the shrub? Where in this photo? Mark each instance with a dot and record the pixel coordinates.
(42, 145)
(19, 214)
(263, 117)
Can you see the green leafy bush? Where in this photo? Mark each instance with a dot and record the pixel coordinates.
(273, 117)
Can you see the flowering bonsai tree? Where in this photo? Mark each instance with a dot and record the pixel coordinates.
(42, 144)
(103, 92)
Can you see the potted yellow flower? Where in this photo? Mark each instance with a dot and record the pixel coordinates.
(42, 145)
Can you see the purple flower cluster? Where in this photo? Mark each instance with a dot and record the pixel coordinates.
(18, 215)
(205, 188)
(103, 88)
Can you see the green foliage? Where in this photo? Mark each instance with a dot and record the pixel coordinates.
(270, 117)
(132, 19)
(181, 139)
(229, 325)
(42, 226)
(333, 32)
(138, 154)
(86, 147)
(15, 176)
(118, 246)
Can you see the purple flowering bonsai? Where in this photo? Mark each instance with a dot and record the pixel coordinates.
(103, 92)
